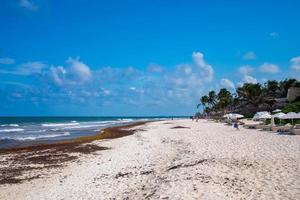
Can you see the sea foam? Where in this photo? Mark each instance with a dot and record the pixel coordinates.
(59, 124)
(42, 136)
(10, 125)
(11, 130)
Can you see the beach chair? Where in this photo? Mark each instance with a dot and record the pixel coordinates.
(276, 128)
(268, 128)
(251, 126)
(295, 131)
(297, 126)
(285, 128)
(262, 126)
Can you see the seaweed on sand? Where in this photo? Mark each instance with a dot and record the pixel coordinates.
(27, 163)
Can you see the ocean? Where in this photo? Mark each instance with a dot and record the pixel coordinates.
(23, 131)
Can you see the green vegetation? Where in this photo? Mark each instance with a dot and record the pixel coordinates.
(292, 107)
(250, 98)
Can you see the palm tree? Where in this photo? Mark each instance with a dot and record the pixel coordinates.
(225, 99)
(212, 98)
(204, 101)
(248, 98)
(272, 91)
(251, 95)
(272, 87)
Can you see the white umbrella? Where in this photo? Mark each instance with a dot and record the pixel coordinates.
(256, 116)
(262, 115)
(265, 116)
(292, 116)
(278, 115)
(277, 110)
(233, 116)
(236, 116)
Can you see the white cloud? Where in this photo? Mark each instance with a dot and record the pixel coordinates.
(183, 84)
(249, 56)
(274, 34)
(7, 61)
(74, 82)
(295, 63)
(106, 92)
(31, 68)
(75, 72)
(29, 4)
(249, 79)
(269, 68)
(184, 69)
(58, 74)
(131, 72)
(227, 83)
(245, 70)
(198, 58)
(26, 69)
(78, 70)
(154, 68)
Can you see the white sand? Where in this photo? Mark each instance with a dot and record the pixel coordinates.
(207, 161)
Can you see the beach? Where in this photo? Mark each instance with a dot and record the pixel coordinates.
(168, 159)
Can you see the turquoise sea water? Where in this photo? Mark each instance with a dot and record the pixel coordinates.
(18, 131)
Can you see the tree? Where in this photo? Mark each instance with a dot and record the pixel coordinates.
(285, 85)
(225, 99)
(250, 98)
(292, 107)
(204, 101)
(272, 88)
(251, 95)
(212, 98)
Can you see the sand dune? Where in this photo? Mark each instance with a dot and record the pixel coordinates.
(177, 159)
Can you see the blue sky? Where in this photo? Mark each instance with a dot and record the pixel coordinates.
(135, 57)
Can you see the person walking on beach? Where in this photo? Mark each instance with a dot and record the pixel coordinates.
(236, 125)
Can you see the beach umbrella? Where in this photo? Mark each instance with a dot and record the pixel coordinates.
(276, 111)
(236, 116)
(226, 116)
(278, 115)
(262, 115)
(265, 116)
(292, 116)
(256, 116)
(233, 116)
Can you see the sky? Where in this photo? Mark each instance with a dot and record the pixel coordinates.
(138, 57)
